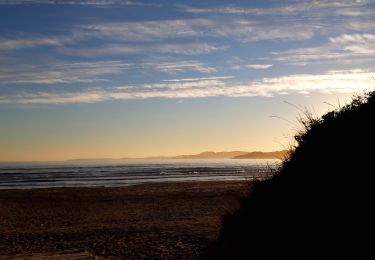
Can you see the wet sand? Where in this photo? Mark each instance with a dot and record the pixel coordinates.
(151, 221)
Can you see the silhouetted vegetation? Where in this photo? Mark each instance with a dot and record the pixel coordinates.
(319, 204)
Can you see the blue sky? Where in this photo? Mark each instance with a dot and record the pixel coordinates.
(145, 67)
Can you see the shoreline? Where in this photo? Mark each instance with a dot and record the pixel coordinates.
(159, 220)
(161, 182)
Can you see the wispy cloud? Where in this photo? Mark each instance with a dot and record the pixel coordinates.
(92, 72)
(121, 49)
(198, 79)
(339, 81)
(243, 30)
(353, 38)
(259, 66)
(344, 7)
(63, 73)
(178, 66)
(343, 48)
(312, 17)
(147, 30)
(332, 81)
(28, 42)
(362, 25)
(154, 34)
(97, 3)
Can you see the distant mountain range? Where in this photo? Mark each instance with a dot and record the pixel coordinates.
(212, 155)
(206, 155)
(235, 155)
(225, 155)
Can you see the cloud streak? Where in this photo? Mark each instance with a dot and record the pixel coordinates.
(259, 66)
(123, 49)
(92, 72)
(177, 66)
(63, 73)
(348, 81)
(344, 7)
(343, 48)
(30, 42)
(96, 3)
(243, 30)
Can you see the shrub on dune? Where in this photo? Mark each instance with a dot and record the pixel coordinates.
(319, 204)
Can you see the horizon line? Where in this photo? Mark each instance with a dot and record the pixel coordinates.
(155, 157)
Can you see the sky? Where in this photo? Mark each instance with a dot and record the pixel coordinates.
(114, 79)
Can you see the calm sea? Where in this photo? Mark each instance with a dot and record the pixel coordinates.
(130, 172)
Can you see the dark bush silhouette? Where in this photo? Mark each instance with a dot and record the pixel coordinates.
(319, 205)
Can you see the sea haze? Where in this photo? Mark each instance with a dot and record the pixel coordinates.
(111, 173)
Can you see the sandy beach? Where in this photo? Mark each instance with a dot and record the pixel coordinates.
(158, 221)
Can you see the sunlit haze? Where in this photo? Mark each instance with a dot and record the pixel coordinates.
(115, 79)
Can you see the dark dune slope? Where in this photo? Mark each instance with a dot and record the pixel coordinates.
(319, 204)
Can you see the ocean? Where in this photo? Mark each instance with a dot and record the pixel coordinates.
(110, 173)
